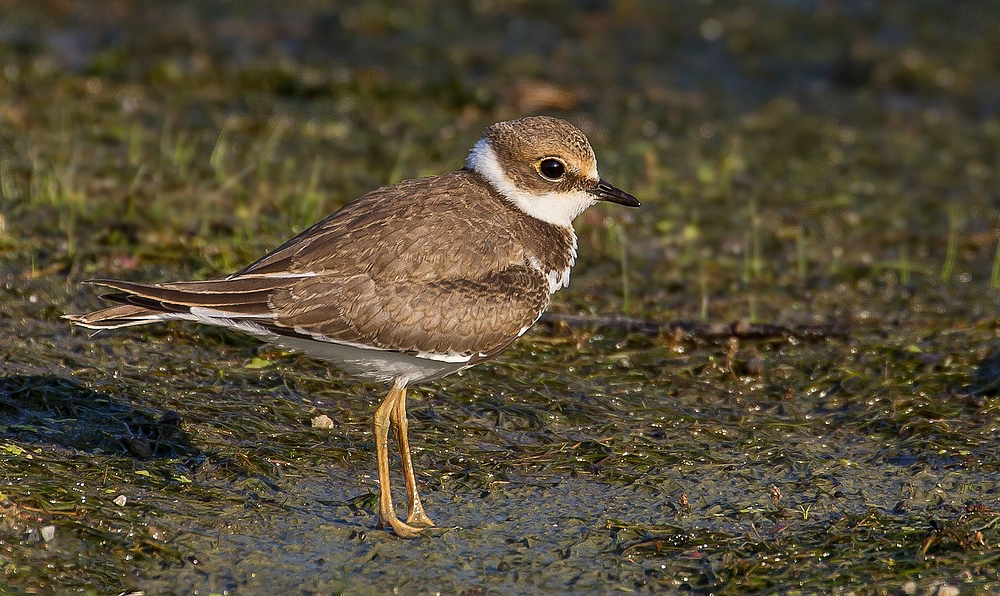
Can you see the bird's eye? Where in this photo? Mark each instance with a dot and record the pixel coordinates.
(551, 168)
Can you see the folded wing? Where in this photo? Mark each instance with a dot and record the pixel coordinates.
(474, 317)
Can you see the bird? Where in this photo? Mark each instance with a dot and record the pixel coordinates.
(409, 282)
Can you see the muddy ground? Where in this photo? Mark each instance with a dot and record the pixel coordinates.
(826, 168)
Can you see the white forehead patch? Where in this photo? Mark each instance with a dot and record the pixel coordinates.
(557, 208)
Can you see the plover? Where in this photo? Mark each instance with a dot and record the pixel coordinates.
(409, 282)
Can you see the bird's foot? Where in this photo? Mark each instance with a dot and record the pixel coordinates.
(419, 519)
(399, 528)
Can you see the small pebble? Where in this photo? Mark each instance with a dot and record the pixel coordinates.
(120, 500)
(322, 421)
(48, 533)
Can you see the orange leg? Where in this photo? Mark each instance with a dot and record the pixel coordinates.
(386, 511)
(414, 510)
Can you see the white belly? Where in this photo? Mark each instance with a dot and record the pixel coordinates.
(363, 362)
(372, 364)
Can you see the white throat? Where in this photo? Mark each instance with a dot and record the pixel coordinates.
(557, 208)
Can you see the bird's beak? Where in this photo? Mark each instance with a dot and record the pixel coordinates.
(606, 192)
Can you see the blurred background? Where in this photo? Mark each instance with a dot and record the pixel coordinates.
(767, 138)
(800, 162)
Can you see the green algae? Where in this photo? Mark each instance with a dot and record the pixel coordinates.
(798, 164)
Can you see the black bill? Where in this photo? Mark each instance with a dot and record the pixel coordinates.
(606, 192)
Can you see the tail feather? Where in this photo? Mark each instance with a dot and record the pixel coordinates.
(192, 294)
(223, 299)
(114, 317)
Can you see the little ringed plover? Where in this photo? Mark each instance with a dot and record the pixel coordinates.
(411, 281)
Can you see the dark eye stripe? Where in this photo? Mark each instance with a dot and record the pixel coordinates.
(552, 168)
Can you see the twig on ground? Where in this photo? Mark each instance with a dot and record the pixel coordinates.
(690, 330)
